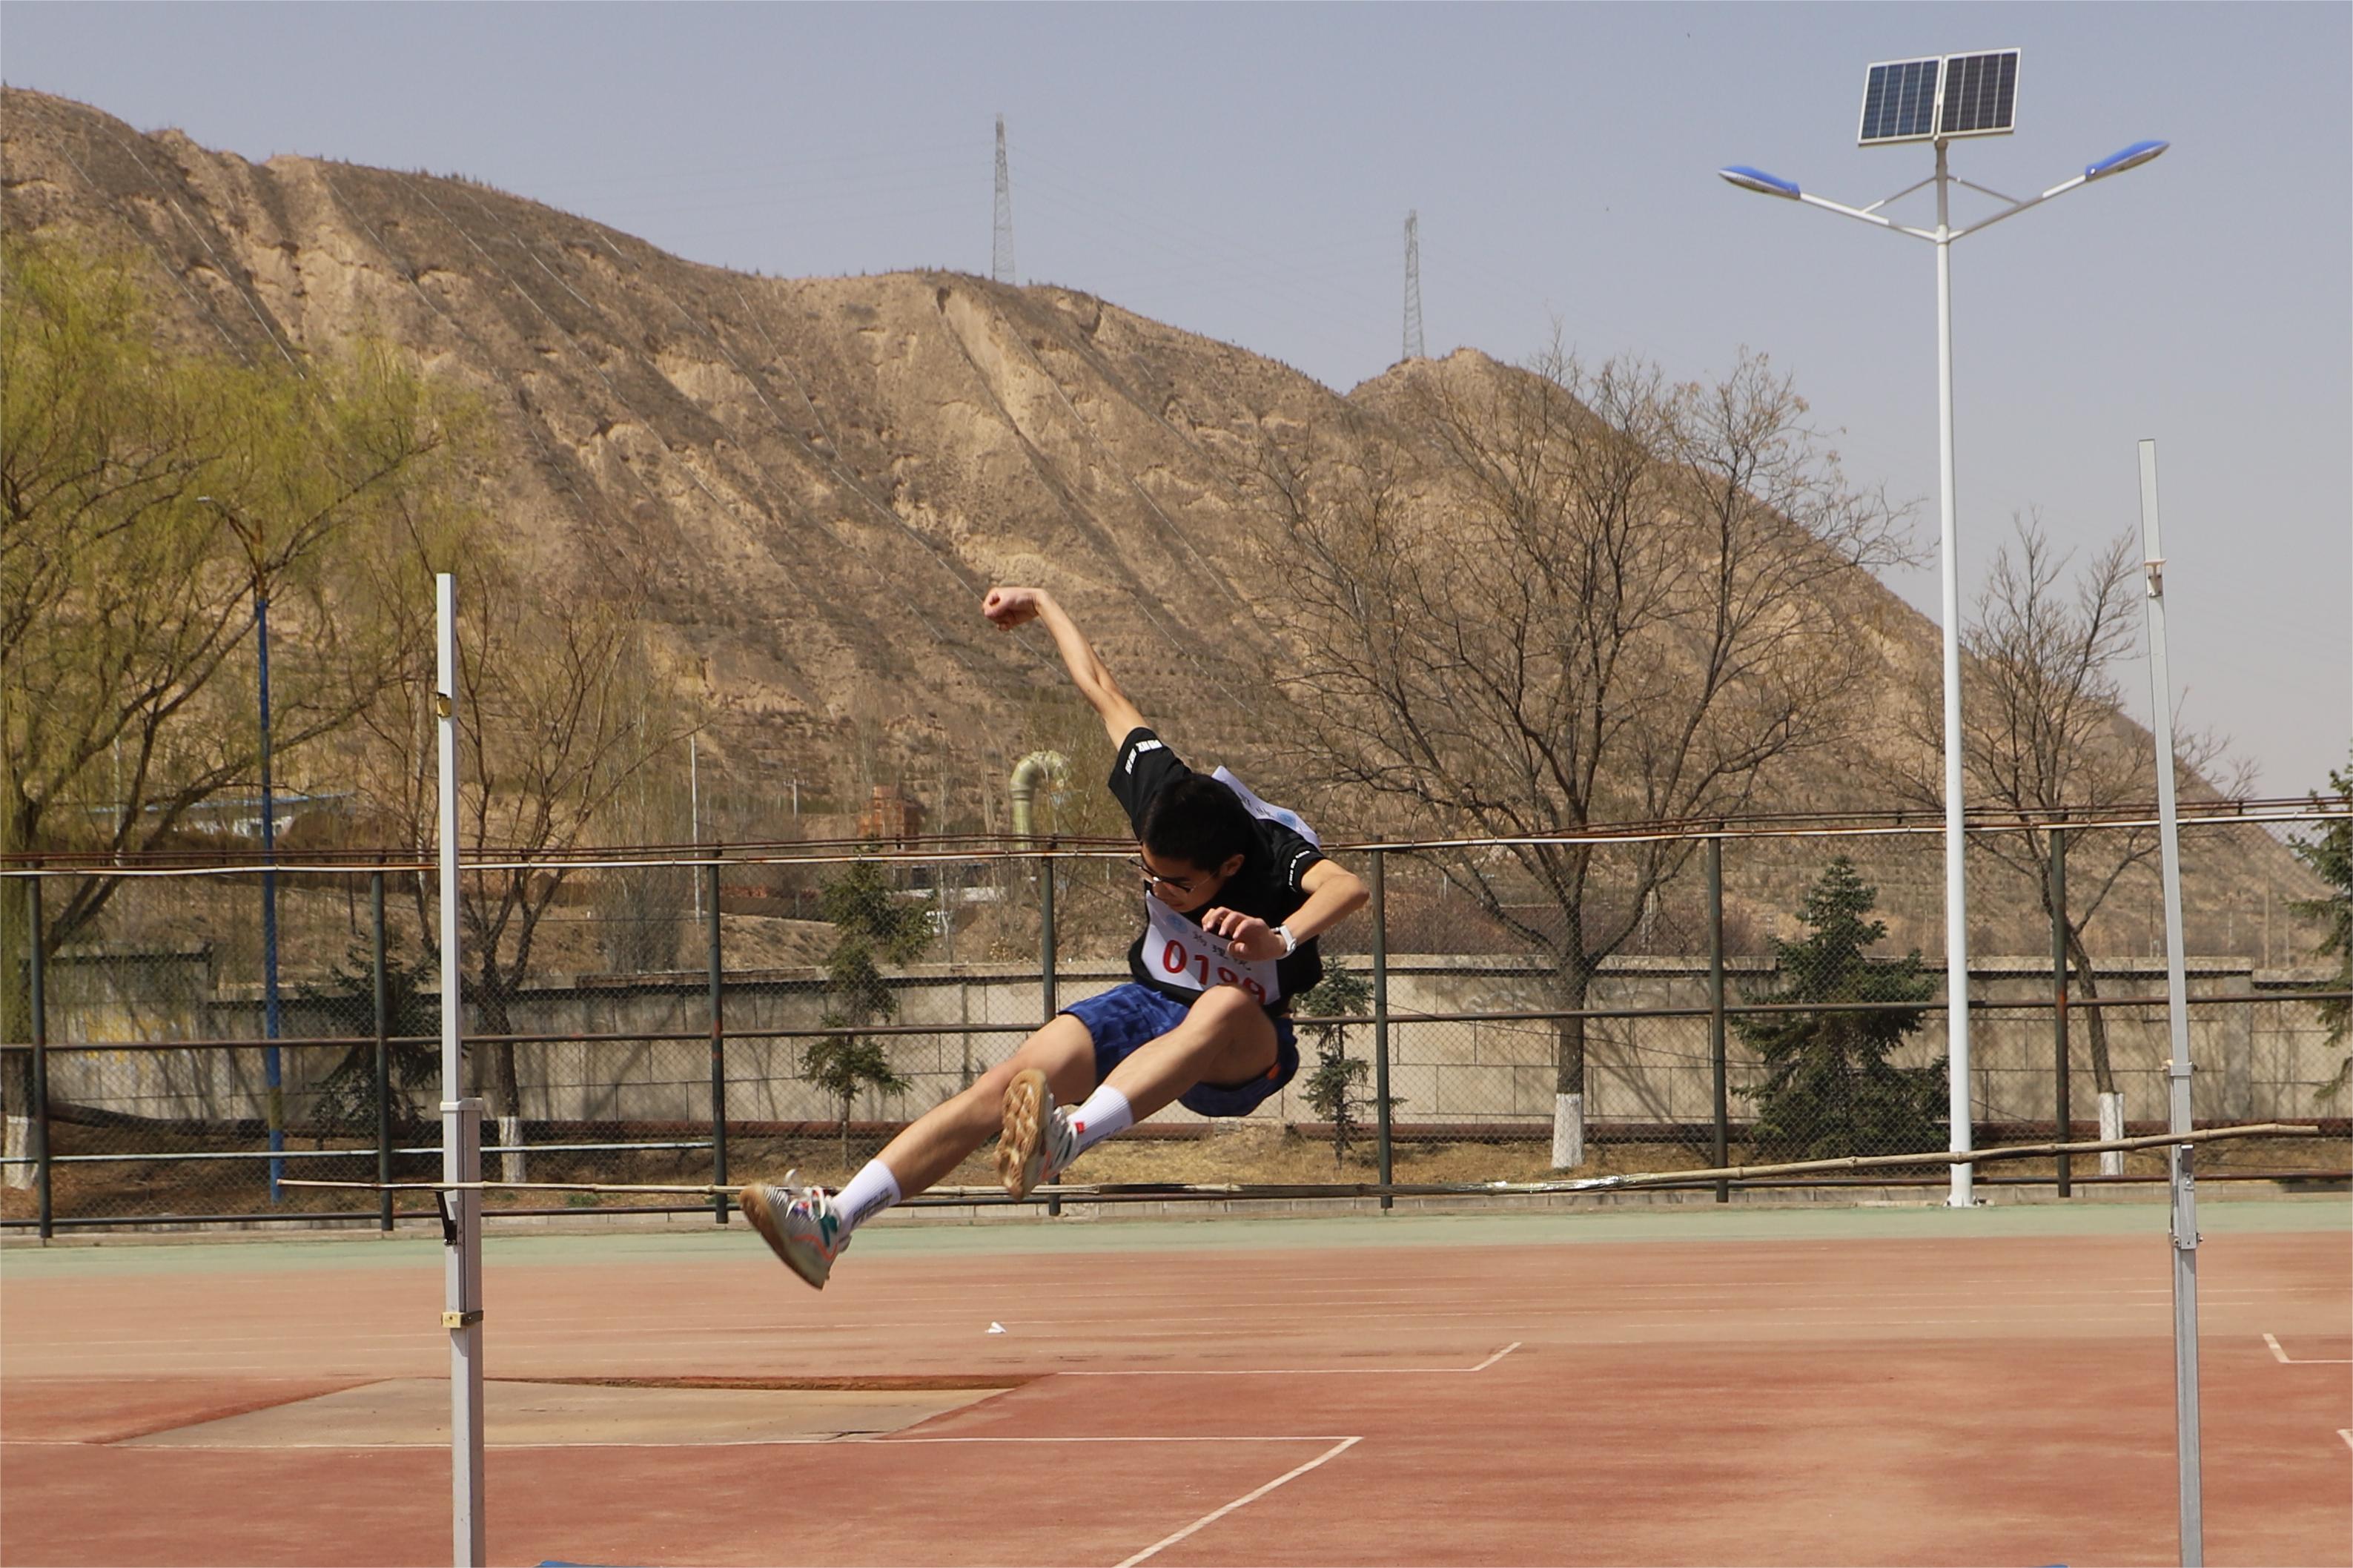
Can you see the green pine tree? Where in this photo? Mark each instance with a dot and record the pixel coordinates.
(870, 921)
(1336, 1087)
(1830, 1088)
(343, 1103)
(2331, 856)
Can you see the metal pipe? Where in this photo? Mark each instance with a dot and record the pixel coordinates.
(1047, 963)
(462, 1134)
(1026, 775)
(382, 1047)
(169, 1157)
(2059, 990)
(1503, 1188)
(1716, 1010)
(1516, 1016)
(953, 1198)
(1381, 1018)
(272, 1067)
(38, 998)
(1957, 921)
(718, 1045)
(156, 865)
(2180, 1163)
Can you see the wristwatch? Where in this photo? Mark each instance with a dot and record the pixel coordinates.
(1289, 942)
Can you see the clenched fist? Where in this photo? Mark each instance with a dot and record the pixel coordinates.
(1010, 607)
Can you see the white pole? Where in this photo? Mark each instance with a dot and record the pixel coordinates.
(694, 814)
(461, 1135)
(2180, 1164)
(1957, 917)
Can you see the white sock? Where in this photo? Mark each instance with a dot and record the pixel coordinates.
(1106, 1112)
(870, 1191)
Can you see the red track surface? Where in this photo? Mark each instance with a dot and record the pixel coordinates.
(1858, 1401)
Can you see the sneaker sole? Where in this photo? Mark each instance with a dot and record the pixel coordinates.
(1019, 1148)
(756, 1208)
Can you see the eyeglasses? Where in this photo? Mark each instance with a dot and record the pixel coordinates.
(1153, 878)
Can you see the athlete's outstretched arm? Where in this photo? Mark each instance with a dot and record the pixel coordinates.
(1011, 607)
(1334, 893)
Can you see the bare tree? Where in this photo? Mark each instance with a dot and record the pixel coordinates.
(2044, 735)
(560, 709)
(1570, 598)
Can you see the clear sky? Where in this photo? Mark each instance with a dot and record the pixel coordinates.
(1245, 171)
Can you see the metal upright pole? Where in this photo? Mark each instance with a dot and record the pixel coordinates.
(1381, 1019)
(1048, 990)
(461, 1139)
(2059, 992)
(382, 1053)
(1716, 1011)
(718, 1044)
(37, 994)
(1957, 920)
(2180, 1165)
(272, 1068)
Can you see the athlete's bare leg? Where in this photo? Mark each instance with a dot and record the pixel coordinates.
(1226, 1037)
(938, 1141)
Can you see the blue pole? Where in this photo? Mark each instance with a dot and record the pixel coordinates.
(271, 1071)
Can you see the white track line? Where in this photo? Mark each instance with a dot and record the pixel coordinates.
(440, 1443)
(2286, 1360)
(1295, 1371)
(1321, 1437)
(2346, 1433)
(1334, 1452)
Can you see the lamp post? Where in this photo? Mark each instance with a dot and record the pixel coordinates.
(1923, 100)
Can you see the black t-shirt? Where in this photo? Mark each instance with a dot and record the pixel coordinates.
(1268, 887)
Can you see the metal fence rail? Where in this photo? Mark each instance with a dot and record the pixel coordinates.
(662, 1030)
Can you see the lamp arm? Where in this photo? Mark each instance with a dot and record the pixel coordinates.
(1890, 201)
(2015, 208)
(1861, 214)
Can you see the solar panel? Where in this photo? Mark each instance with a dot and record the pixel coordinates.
(1899, 101)
(1947, 95)
(1981, 94)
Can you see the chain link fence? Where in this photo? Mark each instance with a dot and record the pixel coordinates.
(1740, 996)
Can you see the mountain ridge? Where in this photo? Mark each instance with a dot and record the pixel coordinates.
(812, 481)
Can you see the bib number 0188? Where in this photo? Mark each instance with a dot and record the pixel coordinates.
(1176, 960)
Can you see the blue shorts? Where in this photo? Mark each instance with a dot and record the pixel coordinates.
(1125, 1016)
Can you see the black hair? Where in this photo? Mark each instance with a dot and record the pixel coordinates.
(1198, 821)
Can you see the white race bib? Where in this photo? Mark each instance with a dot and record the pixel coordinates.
(1180, 953)
(1265, 813)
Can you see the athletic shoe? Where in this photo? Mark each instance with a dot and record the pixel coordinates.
(1038, 1144)
(798, 1224)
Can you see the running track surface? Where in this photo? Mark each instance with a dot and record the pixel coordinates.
(1916, 1386)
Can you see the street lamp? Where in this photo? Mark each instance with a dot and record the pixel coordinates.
(1936, 99)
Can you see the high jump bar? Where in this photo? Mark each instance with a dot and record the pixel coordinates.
(1431, 1189)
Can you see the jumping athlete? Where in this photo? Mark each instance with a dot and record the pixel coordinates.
(1236, 893)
